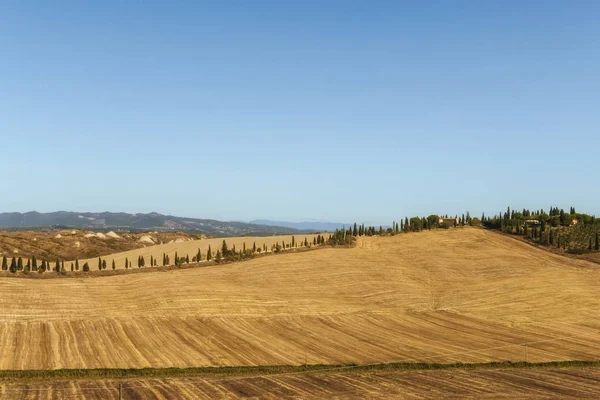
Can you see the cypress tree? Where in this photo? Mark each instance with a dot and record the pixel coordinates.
(198, 255)
(33, 263)
(28, 265)
(126, 263)
(43, 266)
(103, 264)
(57, 266)
(209, 254)
(355, 230)
(218, 256)
(244, 246)
(99, 264)
(72, 267)
(13, 265)
(224, 249)
(151, 260)
(187, 259)
(176, 259)
(254, 246)
(113, 265)
(5, 263)
(20, 264)
(62, 265)
(76, 264)
(164, 259)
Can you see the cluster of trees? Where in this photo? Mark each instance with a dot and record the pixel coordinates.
(513, 221)
(571, 231)
(414, 224)
(31, 265)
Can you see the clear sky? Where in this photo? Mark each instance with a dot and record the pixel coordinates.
(332, 110)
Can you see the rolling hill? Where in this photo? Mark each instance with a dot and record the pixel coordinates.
(457, 295)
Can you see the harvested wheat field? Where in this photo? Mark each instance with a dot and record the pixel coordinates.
(458, 295)
(190, 248)
(539, 383)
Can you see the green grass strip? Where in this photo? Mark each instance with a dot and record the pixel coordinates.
(109, 373)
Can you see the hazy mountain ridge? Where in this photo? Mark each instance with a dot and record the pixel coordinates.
(149, 221)
(306, 225)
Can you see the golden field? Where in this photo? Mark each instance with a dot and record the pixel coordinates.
(465, 295)
(190, 248)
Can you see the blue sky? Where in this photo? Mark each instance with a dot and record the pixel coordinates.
(332, 110)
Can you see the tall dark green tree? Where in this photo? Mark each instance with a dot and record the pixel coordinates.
(224, 249)
(5, 263)
(254, 246)
(209, 254)
(355, 230)
(28, 265)
(126, 263)
(13, 265)
(57, 265)
(103, 264)
(176, 259)
(99, 264)
(20, 264)
(114, 266)
(76, 264)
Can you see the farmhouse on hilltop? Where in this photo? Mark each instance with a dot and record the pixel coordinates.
(448, 221)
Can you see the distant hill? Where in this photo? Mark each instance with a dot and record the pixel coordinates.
(151, 221)
(311, 226)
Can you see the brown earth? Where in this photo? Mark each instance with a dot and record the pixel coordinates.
(69, 244)
(458, 295)
(543, 383)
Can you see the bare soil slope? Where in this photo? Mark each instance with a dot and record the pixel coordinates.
(441, 296)
(71, 244)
